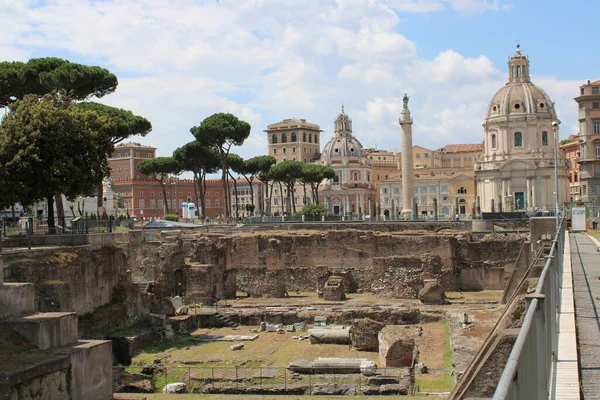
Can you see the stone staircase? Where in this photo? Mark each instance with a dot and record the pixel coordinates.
(226, 320)
(84, 366)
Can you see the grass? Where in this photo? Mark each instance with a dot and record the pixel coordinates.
(16, 352)
(439, 380)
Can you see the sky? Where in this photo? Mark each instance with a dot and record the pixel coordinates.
(179, 61)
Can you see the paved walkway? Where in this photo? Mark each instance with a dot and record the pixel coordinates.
(565, 382)
(585, 260)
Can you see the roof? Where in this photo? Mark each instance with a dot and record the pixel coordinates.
(459, 148)
(292, 123)
(595, 83)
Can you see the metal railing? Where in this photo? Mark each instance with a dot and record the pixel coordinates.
(527, 371)
(246, 379)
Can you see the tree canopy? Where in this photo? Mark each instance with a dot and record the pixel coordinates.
(200, 160)
(46, 149)
(127, 123)
(222, 131)
(313, 174)
(40, 76)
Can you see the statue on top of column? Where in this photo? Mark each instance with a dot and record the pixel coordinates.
(405, 100)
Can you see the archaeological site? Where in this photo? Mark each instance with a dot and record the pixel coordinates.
(326, 308)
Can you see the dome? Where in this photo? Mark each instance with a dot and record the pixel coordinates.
(343, 143)
(520, 98)
(343, 147)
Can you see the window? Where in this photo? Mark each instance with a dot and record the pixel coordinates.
(445, 188)
(462, 190)
(152, 194)
(293, 136)
(217, 194)
(160, 194)
(582, 91)
(316, 138)
(293, 149)
(137, 154)
(284, 150)
(595, 104)
(597, 169)
(274, 139)
(596, 127)
(274, 151)
(161, 204)
(456, 158)
(141, 194)
(119, 169)
(544, 138)
(418, 155)
(431, 189)
(396, 190)
(310, 138)
(493, 140)
(152, 203)
(518, 139)
(426, 155)
(595, 90)
(142, 203)
(149, 155)
(207, 203)
(597, 150)
(217, 203)
(304, 137)
(582, 129)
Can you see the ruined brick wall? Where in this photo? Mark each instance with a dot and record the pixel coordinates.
(403, 276)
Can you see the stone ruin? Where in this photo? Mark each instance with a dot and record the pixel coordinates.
(396, 346)
(334, 289)
(432, 293)
(364, 334)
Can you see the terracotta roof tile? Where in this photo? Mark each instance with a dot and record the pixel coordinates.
(457, 148)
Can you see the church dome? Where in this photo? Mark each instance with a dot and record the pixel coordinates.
(520, 98)
(343, 143)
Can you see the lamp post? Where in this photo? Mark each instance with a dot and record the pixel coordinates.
(555, 138)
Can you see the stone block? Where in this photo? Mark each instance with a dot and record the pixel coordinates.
(396, 347)
(48, 330)
(432, 293)
(16, 299)
(91, 369)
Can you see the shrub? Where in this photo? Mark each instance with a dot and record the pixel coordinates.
(172, 217)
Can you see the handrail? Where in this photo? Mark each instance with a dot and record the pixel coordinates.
(505, 384)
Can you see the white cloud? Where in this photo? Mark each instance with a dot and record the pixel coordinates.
(264, 60)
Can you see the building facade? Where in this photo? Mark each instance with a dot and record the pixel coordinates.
(351, 191)
(588, 103)
(516, 169)
(294, 139)
(571, 148)
(125, 159)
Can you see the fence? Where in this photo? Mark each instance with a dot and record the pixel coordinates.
(527, 371)
(248, 379)
(39, 226)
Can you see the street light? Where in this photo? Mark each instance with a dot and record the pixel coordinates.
(555, 125)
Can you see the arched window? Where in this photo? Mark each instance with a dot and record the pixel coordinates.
(310, 138)
(544, 138)
(283, 138)
(355, 176)
(518, 139)
(518, 71)
(304, 136)
(494, 144)
(316, 138)
(293, 136)
(597, 150)
(274, 139)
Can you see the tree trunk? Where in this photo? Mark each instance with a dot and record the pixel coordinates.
(281, 197)
(226, 193)
(60, 210)
(303, 193)
(51, 225)
(100, 192)
(292, 198)
(236, 195)
(162, 184)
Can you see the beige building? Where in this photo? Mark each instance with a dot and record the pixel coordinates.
(383, 163)
(297, 140)
(424, 158)
(516, 169)
(459, 155)
(588, 102)
(449, 191)
(351, 191)
(294, 139)
(571, 147)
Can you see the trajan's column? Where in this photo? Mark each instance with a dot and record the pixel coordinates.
(407, 161)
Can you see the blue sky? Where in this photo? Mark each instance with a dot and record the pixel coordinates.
(179, 61)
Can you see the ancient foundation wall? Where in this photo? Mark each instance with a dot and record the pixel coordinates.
(88, 274)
